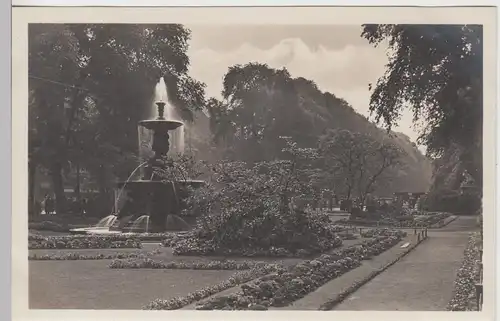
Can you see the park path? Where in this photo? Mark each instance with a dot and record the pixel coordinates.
(421, 281)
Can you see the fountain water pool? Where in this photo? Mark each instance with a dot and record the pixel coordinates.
(103, 225)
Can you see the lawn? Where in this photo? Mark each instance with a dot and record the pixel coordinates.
(92, 285)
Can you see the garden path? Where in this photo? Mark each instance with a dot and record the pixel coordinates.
(421, 281)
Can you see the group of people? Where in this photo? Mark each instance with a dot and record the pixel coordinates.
(48, 205)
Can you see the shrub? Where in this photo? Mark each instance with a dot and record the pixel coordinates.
(452, 202)
(252, 212)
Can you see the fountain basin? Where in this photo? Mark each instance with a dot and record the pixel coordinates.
(103, 225)
(102, 232)
(87, 230)
(154, 184)
(154, 199)
(160, 124)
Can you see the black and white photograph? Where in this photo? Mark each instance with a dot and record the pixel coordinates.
(267, 166)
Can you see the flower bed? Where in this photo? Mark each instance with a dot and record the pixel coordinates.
(119, 236)
(423, 221)
(191, 246)
(382, 232)
(79, 256)
(235, 280)
(467, 276)
(147, 263)
(85, 242)
(290, 284)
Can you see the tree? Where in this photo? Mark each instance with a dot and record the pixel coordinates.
(260, 104)
(91, 83)
(436, 70)
(358, 162)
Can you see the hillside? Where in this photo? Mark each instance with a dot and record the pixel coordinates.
(416, 177)
(260, 104)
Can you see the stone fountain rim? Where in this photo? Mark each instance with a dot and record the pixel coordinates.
(153, 123)
(139, 182)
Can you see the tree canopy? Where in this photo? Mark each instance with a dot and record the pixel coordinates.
(261, 104)
(89, 86)
(437, 72)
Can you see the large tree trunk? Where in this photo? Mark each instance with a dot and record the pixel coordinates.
(77, 187)
(57, 181)
(32, 166)
(103, 200)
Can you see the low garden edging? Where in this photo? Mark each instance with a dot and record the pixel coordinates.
(147, 263)
(290, 284)
(467, 276)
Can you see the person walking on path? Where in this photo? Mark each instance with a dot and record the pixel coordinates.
(49, 205)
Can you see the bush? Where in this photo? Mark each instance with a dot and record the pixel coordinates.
(452, 202)
(252, 213)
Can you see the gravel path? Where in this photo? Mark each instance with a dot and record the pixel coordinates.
(331, 289)
(423, 280)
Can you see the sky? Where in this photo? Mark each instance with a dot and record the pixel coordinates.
(334, 56)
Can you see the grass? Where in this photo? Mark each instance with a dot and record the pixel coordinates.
(92, 285)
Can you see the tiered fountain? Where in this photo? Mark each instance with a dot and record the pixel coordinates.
(150, 199)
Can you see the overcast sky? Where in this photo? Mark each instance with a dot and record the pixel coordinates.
(335, 57)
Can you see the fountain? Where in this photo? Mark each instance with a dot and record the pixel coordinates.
(149, 200)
